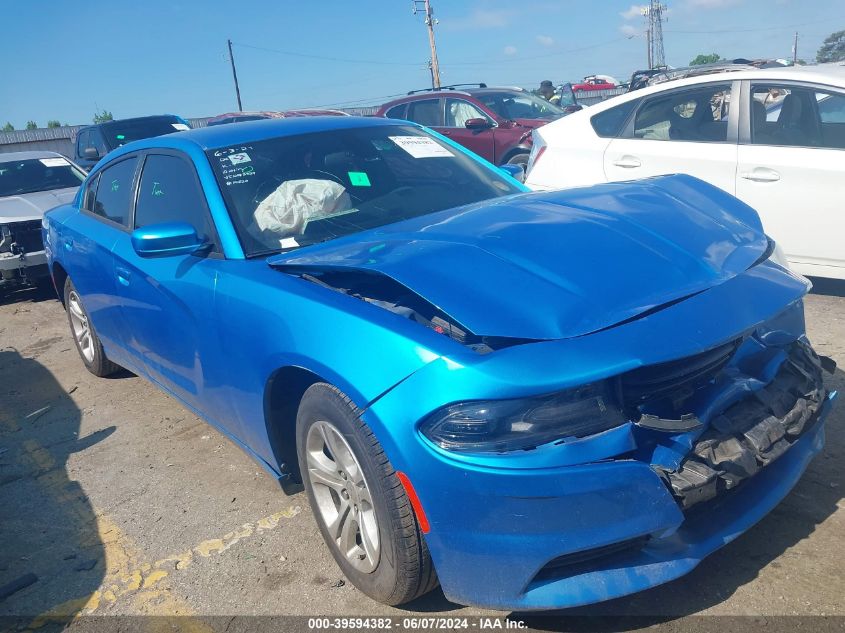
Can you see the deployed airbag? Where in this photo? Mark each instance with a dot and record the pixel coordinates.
(294, 203)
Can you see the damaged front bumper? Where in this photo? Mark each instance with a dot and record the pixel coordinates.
(600, 517)
(754, 432)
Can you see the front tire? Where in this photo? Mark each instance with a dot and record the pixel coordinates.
(359, 503)
(87, 342)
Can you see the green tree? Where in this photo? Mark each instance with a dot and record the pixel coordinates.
(712, 58)
(833, 48)
(102, 117)
(31, 125)
(53, 123)
(8, 127)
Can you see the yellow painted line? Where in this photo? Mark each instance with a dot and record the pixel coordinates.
(128, 579)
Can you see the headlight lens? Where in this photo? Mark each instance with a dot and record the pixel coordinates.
(497, 426)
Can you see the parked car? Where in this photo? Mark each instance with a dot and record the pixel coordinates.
(495, 123)
(772, 137)
(643, 78)
(30, 184)
(594, 82)
(519, 395)
(240, 117)
(95, 141)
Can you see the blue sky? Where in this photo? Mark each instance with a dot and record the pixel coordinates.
(64, 59)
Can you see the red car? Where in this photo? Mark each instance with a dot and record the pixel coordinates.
(495, 123)
(593, 83)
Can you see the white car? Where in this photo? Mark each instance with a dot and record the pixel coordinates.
(774, 138)
(30, 184)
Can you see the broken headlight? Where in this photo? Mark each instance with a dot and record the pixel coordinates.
(497, 426)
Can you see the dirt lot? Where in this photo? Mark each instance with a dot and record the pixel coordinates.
(122, 502)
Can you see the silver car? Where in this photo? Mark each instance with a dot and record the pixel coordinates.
(30, 184)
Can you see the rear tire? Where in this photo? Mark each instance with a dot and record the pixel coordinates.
(519, 159)
(385, 555)
(87, 342)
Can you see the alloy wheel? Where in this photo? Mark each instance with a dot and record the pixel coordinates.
(81, 328)
(342, 496)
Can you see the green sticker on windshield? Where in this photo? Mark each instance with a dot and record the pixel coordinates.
(358, 179)
(120, 137)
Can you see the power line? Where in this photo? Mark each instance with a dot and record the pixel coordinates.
(326, 58)
(786, 27)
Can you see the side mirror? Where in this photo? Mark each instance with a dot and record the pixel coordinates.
(91, 153)
(477, 124)
(514, 171)
(575, 107)
(166, 239)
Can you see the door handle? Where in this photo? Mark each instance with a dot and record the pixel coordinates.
(761, 175)
(68, 243)
(628, 162)
(123, 275)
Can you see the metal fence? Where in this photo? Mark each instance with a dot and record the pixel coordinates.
(592, 97)
(53, 139)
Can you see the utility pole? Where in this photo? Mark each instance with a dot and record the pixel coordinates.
(425, 7)
(795, 49)
(653, 14)
(235, 75)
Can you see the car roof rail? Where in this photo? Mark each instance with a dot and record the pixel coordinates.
(451, 87)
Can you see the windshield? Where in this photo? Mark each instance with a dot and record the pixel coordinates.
(520, 105)
(294, 191)
(119, 133)
(38, 174)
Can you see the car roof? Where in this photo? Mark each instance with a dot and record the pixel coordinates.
(134, 120)
(217, 136)
(823, 74)
(32, 155)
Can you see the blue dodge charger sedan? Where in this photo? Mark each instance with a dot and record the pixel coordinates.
(536, 400)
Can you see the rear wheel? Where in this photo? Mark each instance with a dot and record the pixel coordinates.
(359, 503)
(87, 342)
(519, 159)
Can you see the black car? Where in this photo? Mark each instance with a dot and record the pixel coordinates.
(95, 141)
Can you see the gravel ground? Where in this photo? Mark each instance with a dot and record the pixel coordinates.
(120, 501)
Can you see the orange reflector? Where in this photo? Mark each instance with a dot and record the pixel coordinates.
(415, 502)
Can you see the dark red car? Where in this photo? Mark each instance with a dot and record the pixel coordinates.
(495, 123)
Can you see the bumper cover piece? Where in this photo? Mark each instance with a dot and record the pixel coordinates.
(754, 432)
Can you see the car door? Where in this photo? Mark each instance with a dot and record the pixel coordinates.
(477, 139)
(791, 167)
(691, 130)
(167, 302)
(86, 243)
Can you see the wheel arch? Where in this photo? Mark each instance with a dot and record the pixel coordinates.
(515, 151)
(59, 276)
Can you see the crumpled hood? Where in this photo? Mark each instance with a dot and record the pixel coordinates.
(560, 264)
(32, 206)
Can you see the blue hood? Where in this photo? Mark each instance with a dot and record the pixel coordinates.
(561, 264)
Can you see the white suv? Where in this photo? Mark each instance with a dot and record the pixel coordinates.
(775, 138)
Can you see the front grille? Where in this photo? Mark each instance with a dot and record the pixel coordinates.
(27, 235)
(668, 380)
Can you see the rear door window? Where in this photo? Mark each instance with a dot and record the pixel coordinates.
(698, 115)
(426, 112)
(113, 200)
